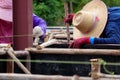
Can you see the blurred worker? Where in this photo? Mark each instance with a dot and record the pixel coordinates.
(39, 27)
(95, 24)
(6, 27)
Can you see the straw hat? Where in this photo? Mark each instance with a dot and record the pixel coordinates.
(91, 20)
(6, 10)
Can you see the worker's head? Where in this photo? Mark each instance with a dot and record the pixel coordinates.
(37, 31)
(91, 20)
(6, 10)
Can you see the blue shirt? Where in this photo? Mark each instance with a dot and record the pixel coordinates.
(111, 33)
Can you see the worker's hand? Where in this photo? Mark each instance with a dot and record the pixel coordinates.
(77, 43)
(37, 31)
(69, 19)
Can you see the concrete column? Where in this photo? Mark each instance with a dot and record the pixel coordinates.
(22, 24)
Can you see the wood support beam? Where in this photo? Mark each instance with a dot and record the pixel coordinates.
(75, 51)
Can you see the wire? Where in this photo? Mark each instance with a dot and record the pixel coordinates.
(60, 62)
(16, 36)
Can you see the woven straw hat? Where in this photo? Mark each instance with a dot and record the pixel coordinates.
(91, 20)
(6, 10)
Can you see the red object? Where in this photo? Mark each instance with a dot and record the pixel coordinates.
(77, 43)
(69, 19)
(6, 32)
(22, 24)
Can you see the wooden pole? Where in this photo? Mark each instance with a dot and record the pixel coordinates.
(67, 25)
(71, 7)
(45, 44)
(115, 77)
(35, 77)
(10, 66)
(2, 52)
(5, 76)
(75, 51)
(36, 41)
(21, 53)
(62, 36)
(95, 71)
(28, 64)
(11, 54)
(95, 68)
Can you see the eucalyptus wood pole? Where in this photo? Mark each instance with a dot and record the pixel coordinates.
(95, 71)
(11, 54)
(45, 44)
(71, 7)
(10, 66)
(4, 76)
(112, 52)
(67, 25)
(21, 53)
(38, 77)
(95, 68)
(36, 41)
(28, 64)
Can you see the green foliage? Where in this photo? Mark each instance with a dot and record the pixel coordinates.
(111, 3)
(50, 10)
(53, 10)
(78, 4)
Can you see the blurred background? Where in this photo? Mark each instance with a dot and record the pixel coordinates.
(53, 10)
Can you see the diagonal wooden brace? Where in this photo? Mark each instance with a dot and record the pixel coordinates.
(10, 52)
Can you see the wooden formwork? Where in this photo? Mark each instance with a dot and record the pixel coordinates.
(8, 50)
(95, 68)
(42, 49)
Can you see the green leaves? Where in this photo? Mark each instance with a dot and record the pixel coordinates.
(53, 10)
(50, 10)
(111, 3)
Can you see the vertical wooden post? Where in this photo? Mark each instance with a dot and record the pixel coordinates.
(10, 66)
(28, 64)
(71, 7)
(22, 23)
(67, 25)
(95, 68)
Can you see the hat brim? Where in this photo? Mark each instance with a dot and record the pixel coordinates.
(6, 14)
(100, 9)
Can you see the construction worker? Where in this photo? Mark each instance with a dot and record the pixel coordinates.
(95, 25)
(39, 27)
(6, 27)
